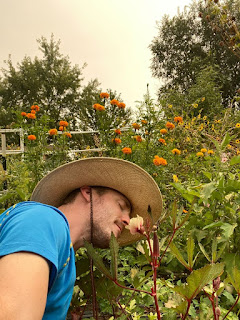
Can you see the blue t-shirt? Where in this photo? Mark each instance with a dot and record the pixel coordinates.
(34, 227)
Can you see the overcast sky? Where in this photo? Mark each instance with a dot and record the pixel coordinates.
(111, 36)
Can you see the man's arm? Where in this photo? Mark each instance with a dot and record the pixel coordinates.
(23, 286)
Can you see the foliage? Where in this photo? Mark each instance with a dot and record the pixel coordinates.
(189, 267)
(186, 44)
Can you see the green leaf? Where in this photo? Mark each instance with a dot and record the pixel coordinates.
(214, 250)
(198, 279)
(207, 190)
(228, 229)
(190, 251)
(114, 248)
(97, 259)
(208, 175)
(174, 213)
(204, 252)
(234, 278)
(226, 140)
(213, 225)
(178, 255)
(235, 160)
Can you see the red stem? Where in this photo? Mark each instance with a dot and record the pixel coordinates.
(188, 307)
(232, 306)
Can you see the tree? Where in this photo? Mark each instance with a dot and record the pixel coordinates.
(51, 82)
(186, 44)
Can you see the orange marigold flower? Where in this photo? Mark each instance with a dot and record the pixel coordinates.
(121, 105)
(200, 154)
(32, 137)
(203, 150)
(138, 138)
(61, 128)
(163, 131)
(159, 161)
(23, 114)
(67, 134)
(144, 121)
(63, 123)
(136, 125)
(161, 140)
(114, 102)
(98, 107)
(116, 140)
(104, 95)
(185, 211)
(170, 125)
(127, 150)
(33, 111)
(31, 116)
(52, 132)
(176, 151)
(35, 107)
(117, 131)
(178, 119)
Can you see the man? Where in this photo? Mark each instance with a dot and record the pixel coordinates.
(82, 200)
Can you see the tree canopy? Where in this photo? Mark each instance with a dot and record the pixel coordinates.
(186, 44)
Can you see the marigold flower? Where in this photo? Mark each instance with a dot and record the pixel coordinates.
(203, 150)
(127, 150)
(237, 125)
(63, 123)
(33, 111)
(185, 211)
(35, 107)
(135, 225)
(136, 125)
(178, 119)
(67, 134)
(114, 102)
(237, 141)
(138, 138)
(23, 114)
(31, 116)
(144, 121)
(200, 154)
(159, 161)
(52, 132)
(32, 137)
(121, 105)
(176, 151)
(61, 128)
(163, 131)
(170, 125)
(161, 140)
(117, 131)
(98, 107)
(210, 151)
(104, 95)
(116, 140)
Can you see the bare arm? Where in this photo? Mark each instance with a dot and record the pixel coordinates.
(23, 286)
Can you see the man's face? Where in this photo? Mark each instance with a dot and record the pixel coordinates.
(111, 213)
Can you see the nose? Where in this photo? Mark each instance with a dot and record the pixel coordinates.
(126, 219)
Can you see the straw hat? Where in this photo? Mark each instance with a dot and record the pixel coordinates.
(121, 175)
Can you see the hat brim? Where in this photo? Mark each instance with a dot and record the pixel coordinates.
(121, 175)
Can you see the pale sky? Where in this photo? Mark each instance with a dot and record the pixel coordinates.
(111, 36)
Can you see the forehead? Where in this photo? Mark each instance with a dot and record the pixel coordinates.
(118, 195)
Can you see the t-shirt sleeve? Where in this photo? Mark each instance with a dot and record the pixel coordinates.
(38, 229)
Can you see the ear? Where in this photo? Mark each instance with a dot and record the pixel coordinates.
(85, 191)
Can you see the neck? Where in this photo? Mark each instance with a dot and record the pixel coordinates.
(77, 215)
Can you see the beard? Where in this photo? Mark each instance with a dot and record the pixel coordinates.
(101, 238)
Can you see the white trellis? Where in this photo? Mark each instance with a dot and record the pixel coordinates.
(4, 150)
(20, 149)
